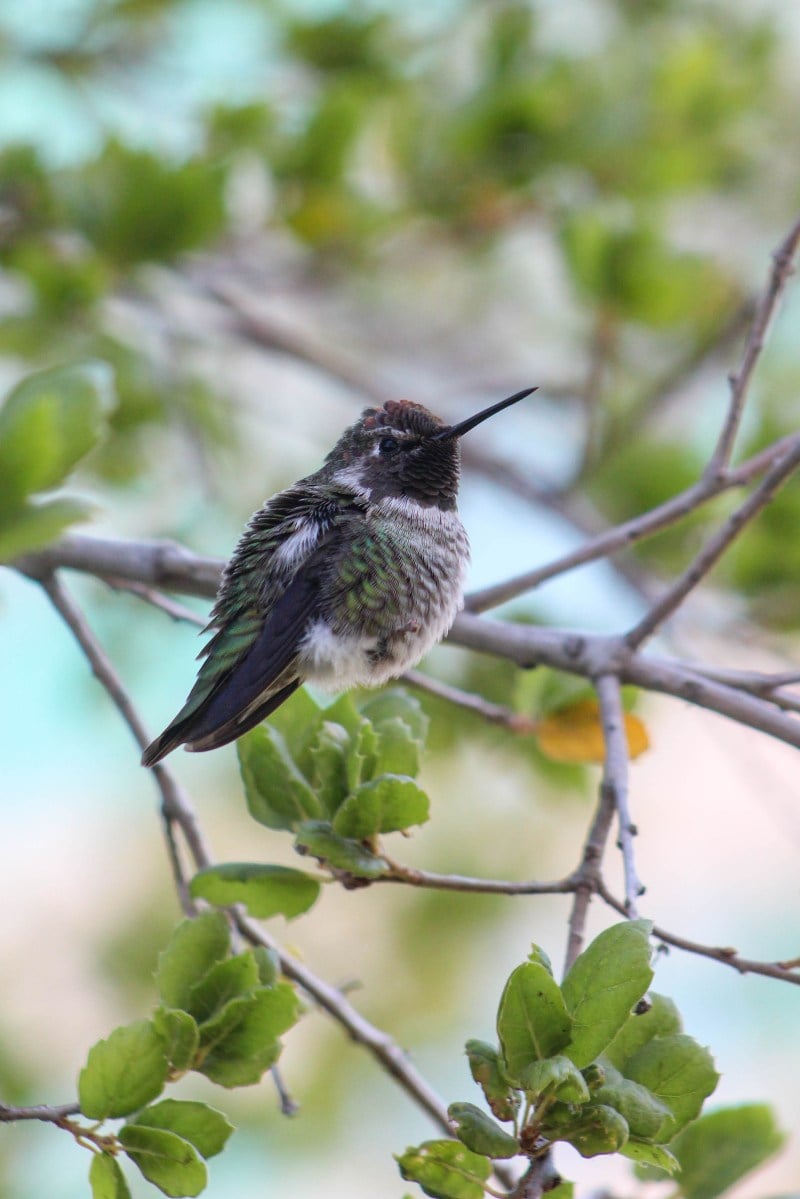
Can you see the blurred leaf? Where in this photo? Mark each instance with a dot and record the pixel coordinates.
(264, 890)
(602, 986)
(480, 1133)
(446, 1170)
(644, 1114)
(329, 755)
(277, 793)
(575, 734)
(33, 525)
(384, 805)
(679, 1072)
(342, 854)
(201, 1125)
(106, 1179)
(648, 1155)
(195, 946)
(165, 1159)
(722, 1146)
(123, 1072)
(47, 424)
(532, 1019)
(594, 1130)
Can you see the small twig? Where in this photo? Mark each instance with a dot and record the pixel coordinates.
(587, 877)
(632, 531)
(729, 957)
(714, 548)
(615, 778)
(41, 1111)
(289, 1107)
(483, 886)
(538, 1179)
(470, 702)
(782, 267)
(158, 600)
(174, 805)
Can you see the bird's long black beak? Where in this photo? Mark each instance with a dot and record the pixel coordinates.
(471, 421)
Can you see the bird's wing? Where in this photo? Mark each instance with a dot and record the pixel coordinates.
(266, 601)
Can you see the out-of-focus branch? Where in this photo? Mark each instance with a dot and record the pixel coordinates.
(588, 876)
(782, 267)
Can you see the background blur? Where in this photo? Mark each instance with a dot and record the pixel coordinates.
(262, 216)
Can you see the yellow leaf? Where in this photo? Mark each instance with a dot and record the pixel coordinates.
(575, 733)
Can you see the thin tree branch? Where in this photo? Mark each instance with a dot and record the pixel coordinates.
(632, 531)
(715, 548)
(782, 268)
(615, 778)
(588, 876)
(41, 1111)
(729, 957)
(158, 600)
(470, 702)
(481, 886)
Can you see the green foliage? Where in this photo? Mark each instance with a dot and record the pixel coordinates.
(719, 1148)
(353, 764)
(222, 1016)
(48, 423)
(446, 1170)
(264, 890)
(554, 1066)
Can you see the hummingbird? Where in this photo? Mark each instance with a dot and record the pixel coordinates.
(345, 579)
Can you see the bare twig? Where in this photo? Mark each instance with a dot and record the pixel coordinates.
(470, 702)
(729, 957)
(41, 1111)
(715, 547)
(158, 600)
(588, 877)
(632, 531)
(481, 886)
(615, 778)
(782, 267)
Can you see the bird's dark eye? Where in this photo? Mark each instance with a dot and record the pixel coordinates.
(388, 445)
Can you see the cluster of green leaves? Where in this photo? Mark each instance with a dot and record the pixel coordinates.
(337, 777)
(582, 1063)
(48, 423)
(220, 1015)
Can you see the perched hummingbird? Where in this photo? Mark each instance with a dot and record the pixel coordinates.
(345, 579)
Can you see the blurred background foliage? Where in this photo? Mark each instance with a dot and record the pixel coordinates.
(263, 215)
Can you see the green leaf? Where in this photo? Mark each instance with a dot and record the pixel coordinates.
(604, 983)
(223, 982)
(277, 793)
(479, 1132)
(201, 1125)
(384, 805)
(264, 890)
(319, 839)
(123, 1072)
(661, 1020)
(329, 764)
(398, 750)
(165, 1159)
(106, 1179)
(243, 1045)
(486, 1069)
(179, 1034)
(194, 947)
(33, 525)
(722, 1146)
(679, 1072)
(446, 1170)
(558, 1076)
(532, 1020)
(396, 703)
(645, 1154)
(298, 720)
(48, 423)
(268, 963)
(598, 1129)
(644, 1114)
